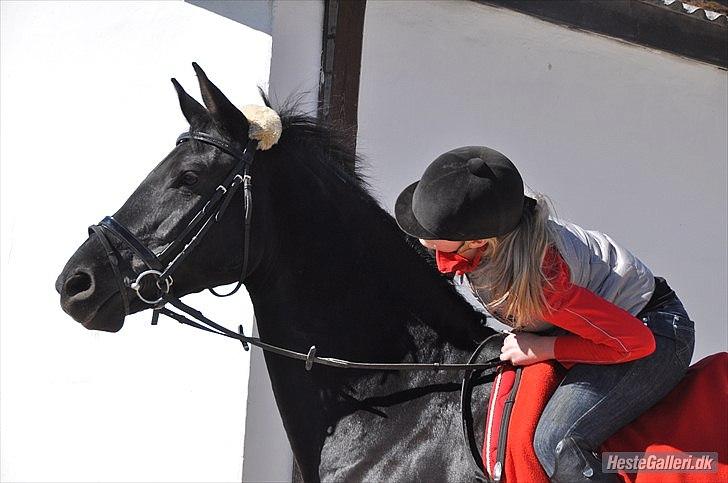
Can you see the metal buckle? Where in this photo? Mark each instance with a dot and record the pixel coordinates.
(310, 357)
(137, 285)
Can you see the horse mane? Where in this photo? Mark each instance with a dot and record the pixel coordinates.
(330, 142)
(318, 149)
(323, 136)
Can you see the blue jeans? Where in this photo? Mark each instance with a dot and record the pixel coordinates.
(594, 401)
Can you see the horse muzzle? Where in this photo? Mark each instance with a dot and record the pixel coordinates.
(86, 294)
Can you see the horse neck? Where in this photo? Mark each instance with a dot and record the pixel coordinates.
(348, 282)
(344, 276)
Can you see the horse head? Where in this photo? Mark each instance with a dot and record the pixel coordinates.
(95, 285)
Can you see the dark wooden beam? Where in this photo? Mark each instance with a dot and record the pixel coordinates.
(644, 22)
(343, 32)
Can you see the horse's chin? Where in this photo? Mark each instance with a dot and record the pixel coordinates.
(107, 324)
(109, 317)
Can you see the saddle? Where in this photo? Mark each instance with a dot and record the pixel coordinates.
(693, 417)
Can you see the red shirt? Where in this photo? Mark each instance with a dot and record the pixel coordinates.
(601, 332)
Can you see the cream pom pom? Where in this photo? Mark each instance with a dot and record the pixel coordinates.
(265, 125)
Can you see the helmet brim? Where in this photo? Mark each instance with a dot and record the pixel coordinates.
(406, 218)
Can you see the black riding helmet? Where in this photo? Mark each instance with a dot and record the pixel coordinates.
(469, 193)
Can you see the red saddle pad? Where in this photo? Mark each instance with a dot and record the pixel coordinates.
(692, 417)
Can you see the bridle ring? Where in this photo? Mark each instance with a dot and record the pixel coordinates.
(137, 285)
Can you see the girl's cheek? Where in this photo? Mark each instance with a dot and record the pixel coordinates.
(428, 244)
(441, 245)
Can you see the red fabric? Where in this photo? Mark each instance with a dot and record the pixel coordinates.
(692, 417)
(602, 332)
(500, 391)
(538, 382)
(449, 262)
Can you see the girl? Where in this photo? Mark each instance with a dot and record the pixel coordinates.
(570, 294)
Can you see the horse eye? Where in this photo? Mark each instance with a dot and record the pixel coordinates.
(189, 178)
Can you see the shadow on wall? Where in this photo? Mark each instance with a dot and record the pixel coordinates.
(256, 14)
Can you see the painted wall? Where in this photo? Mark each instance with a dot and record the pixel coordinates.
(624, 139)
(87, 111)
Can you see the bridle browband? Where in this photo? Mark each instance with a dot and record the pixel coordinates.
(176, 251)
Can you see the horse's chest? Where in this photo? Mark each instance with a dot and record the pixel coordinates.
(417, 440)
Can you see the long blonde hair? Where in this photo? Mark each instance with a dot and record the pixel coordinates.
(512, 265)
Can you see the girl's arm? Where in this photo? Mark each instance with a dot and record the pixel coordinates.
(603, 333)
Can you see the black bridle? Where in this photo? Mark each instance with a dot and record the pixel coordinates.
(176, 251)
(211, 211)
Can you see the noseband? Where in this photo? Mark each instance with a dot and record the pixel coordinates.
(178, 250)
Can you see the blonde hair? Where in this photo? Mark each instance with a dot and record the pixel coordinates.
(512, 265)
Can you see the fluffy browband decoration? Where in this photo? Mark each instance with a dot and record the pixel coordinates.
(265, 125)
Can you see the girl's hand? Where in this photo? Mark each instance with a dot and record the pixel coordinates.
(523, 348)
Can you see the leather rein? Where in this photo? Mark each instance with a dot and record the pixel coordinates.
(161, 275)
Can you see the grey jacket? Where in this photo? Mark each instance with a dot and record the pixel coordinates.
(597, 263)
(600, 264)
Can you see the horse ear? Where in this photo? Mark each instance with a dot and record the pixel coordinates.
(220, 108)
(193, 111)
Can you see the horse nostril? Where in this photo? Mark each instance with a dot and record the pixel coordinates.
(78, 283)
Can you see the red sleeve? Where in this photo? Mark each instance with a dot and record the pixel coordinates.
(602, 333)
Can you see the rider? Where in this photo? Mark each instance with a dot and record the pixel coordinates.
(570, 294)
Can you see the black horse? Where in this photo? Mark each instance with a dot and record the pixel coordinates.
(327, 266)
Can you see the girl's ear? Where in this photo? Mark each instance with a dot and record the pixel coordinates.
(477, 243)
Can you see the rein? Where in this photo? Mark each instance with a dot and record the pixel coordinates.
(161, 276)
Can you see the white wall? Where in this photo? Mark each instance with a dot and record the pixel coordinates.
(87, 111)
(626, 140)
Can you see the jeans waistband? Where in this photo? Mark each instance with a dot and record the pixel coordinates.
(666, 322)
